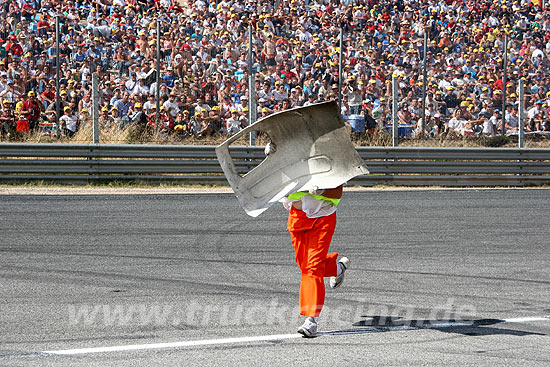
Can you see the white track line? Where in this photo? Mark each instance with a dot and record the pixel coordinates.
(252, 339)
(190, 343)
(527, 319)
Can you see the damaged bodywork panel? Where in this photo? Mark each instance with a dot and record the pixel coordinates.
(310, 148)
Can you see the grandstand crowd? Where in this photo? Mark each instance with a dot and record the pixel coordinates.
(204, 68)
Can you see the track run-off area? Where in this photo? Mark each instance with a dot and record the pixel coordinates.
(438, 277)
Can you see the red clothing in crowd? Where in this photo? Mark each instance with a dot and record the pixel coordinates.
(47, 94)
(35, 109)
(15, 48)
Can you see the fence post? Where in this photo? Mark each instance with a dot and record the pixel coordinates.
(95, 114)
(252, 109)
(157, 102)
(424, 78)
(395, 120)
(340, 58)
(521, 107)
(504, 75)
(57, 98)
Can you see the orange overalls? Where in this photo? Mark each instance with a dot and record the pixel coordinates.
(311, 239)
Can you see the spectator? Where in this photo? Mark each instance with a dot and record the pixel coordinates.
(150, 104)
(233, 124)
(166, 123)
(243, 118)
(439, 127)
(48, 95)
(32, 109)
(404, 115)
(185, 123)
(7, 119)
(457, 123)
(63, 102)
(116, 119)
(137, 116)
(123, 105)
(490, 126)
(106, 121)
(12, 92)
(512, 120)
(69, 122)
(537, 116)
(171, 106)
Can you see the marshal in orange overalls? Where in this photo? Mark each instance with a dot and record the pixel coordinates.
(311, 239)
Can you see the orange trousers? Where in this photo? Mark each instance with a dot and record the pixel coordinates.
(311, 240)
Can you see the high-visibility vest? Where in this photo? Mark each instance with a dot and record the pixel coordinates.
(299, 195)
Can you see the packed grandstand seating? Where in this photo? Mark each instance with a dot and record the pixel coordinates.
(204, 63)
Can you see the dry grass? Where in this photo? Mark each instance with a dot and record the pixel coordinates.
(132, 136)
(385, 139)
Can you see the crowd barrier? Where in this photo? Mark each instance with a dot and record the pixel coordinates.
(193, 164)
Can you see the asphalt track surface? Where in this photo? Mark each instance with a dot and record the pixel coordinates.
(465, 275)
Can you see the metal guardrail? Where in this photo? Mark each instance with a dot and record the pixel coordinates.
(86, 163)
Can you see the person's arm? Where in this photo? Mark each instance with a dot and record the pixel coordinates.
(478, 121)
(335, 193)
(18, 88)
(508, 127)
(25, 108)
(62, 121)
(46, 98)
(402, 118)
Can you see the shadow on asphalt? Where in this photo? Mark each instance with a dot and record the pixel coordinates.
(478, 327)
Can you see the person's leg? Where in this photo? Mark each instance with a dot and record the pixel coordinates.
(311, 247)
(331, 262)
(312, 290)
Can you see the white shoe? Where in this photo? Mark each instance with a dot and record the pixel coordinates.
(309, 328)
(337, 281)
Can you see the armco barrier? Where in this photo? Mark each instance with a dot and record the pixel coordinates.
(86, 163)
